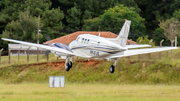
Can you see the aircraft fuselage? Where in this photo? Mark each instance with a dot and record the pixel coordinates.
(92, 46)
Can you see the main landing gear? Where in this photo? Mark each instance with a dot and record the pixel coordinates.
(112, 67)
(68, 65)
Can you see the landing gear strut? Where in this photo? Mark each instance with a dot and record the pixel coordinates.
(68, 65)
(112, 67)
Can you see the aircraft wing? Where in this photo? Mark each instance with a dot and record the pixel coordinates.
(65, 52)
(140, 51)
(137, 46)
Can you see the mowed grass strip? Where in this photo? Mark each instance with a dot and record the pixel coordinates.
(88, 92)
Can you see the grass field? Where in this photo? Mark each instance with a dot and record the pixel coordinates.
(128, 71)
(88, 92)
(134, 79)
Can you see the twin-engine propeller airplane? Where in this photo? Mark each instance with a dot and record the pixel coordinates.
(91, 46)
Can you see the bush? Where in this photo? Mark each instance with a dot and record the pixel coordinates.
(145, 40)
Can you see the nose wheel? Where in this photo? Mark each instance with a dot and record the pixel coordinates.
(68, 66)
(111, 69)
(68, 63)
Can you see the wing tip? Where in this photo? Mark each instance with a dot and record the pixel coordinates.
(4, 38)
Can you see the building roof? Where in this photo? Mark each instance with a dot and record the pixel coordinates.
(71, 37)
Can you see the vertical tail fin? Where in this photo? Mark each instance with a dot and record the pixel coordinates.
(123, 34)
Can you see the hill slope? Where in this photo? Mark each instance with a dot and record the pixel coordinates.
(132, 71)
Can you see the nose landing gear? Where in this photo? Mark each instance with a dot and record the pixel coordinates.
(68, 65)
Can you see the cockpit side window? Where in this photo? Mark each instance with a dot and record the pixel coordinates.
(77, 38)
(82, 40)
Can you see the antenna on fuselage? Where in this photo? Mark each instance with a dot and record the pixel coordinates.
(99, 34)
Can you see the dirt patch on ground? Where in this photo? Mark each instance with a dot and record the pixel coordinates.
(60, 64)
(90, 63)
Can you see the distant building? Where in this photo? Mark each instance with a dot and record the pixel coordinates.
(71, 37)
(14, 48)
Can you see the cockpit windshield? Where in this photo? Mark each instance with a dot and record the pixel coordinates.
(77, 38)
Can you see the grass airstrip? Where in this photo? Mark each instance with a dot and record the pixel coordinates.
(136, 78)
(88, 92)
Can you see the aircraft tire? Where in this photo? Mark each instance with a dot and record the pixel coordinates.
(68, 67)
(70, 64)
(111, 69)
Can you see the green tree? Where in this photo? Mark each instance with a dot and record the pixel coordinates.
(10, 10)
(171, 28)
(73, 19)
(25, 28)
(176, 14)
(144, 40)
(155, 10)
(52, 21)
(113, 19)
(76, 11)
(158, 36)
(51, 18)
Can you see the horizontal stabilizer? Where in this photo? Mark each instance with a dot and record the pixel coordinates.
(141, 51)
(137, 46)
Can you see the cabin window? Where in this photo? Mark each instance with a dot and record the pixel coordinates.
(85, 41)
(82, 40)
(98, 43)
(88, 41)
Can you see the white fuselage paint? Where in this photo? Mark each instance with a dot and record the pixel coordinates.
(92, 46)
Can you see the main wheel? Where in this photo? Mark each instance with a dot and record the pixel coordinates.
(111, 69)
(67, 67)
(70, 64)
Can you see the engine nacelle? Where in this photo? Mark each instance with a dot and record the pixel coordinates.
(62, 46)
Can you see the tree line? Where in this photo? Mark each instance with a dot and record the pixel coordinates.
(22, 19)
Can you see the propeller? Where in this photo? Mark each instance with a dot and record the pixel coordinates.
(48, 38)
